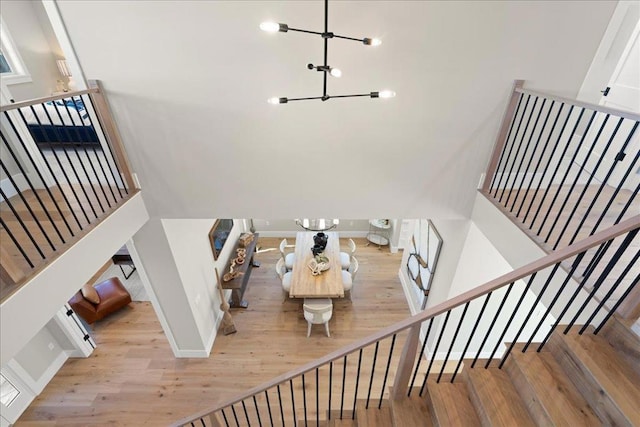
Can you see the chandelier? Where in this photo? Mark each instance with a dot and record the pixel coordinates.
(318, 224)
(325, 69)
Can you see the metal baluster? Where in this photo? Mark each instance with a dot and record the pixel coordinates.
(37, 169)
(355, 394)
(528, 316)
(627, 205)
(281, 407)
(317, 400)
(266, 395)
(541, 156)
(504, 148)
(293, 404)
(513, 314)
(35, 192)
(553, 175)
(515, 137)
(235, 416)
(224, 416)
(533, 151)
(73, 168)
(612, 262)
(246, 414)
(86, 153)
(453, 340)
(602, 186)
(471, 335)
(524, 134)
(124, 184)
(26, 204)
(435, 352)
(555, 298)
(62, 169)
(504, 299)
(617, 304)
(344, 372)
(386, 371)
(373, 371)
(420, 355)
(330, 388)
(566, 173)
(255, 403)
(575, 181)
(24, 227)
(15, 242)
(304, 400)
(610, 292)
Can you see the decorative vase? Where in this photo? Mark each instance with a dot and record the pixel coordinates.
(320, 239)
(316, 249)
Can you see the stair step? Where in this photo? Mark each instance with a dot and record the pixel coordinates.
(449, 404)
(494, 397)
(342, 423)
(605, 379)
(548, 394)
(314, 423)
(410, 411)
(618, 333)
(372, 416)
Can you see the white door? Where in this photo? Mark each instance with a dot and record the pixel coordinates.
(622, 93)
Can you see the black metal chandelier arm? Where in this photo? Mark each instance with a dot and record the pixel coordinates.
(305, 31)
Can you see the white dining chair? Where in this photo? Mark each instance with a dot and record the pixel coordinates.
(345, 257)
(289, 258)
(348, 276)
(285, 278)
(316, 312)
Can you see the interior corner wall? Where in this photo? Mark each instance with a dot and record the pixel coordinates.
(188, 240)
(159, 266)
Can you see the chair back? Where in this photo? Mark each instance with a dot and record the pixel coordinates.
(318, 308)
(280, 268)
(352, 247)
(283, 245)
(353, 267)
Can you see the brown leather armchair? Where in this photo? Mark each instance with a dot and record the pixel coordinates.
(113, 296)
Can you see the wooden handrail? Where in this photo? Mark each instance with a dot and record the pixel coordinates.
(513, 276)
(35, 101)
(600, 108)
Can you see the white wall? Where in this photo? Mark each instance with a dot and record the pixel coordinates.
(25, 22)
(289, 228)
(191, 249)
(202, 115)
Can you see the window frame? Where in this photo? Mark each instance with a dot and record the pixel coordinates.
(19, 72)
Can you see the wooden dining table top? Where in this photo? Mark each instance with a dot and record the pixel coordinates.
(326, 285)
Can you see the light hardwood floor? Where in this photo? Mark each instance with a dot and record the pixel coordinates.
(132, 378)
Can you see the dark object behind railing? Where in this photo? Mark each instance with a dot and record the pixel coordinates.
(559, 164)
(539, 296)
(63, 175)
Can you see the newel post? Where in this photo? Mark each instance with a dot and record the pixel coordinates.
(501, 140)
(405, 365)
(111, 131)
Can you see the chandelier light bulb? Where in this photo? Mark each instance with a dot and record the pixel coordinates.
(275, 100)
(335, 72)
(376, 42)
(270, 27)
(387, 94)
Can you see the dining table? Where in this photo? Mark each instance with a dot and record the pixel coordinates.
(328, 284)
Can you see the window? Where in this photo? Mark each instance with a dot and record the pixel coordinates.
(12, 68)
(8, 392)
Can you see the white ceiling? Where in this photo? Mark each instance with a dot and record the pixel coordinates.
(188, 82)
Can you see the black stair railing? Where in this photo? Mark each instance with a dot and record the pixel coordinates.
(523, 306)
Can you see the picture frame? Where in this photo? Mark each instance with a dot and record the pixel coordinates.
(219, 234)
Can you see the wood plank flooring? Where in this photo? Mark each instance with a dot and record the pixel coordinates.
(132, 378)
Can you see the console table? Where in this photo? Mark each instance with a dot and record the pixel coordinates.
(239, 285)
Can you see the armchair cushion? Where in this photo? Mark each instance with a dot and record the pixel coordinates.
(90, 293)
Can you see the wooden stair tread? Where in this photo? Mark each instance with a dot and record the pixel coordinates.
(372, 416)
(410, 411)
(342, 423)
(603, 374)
(618, 333)
(550, 396)
(494, 397)
(449, 404)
